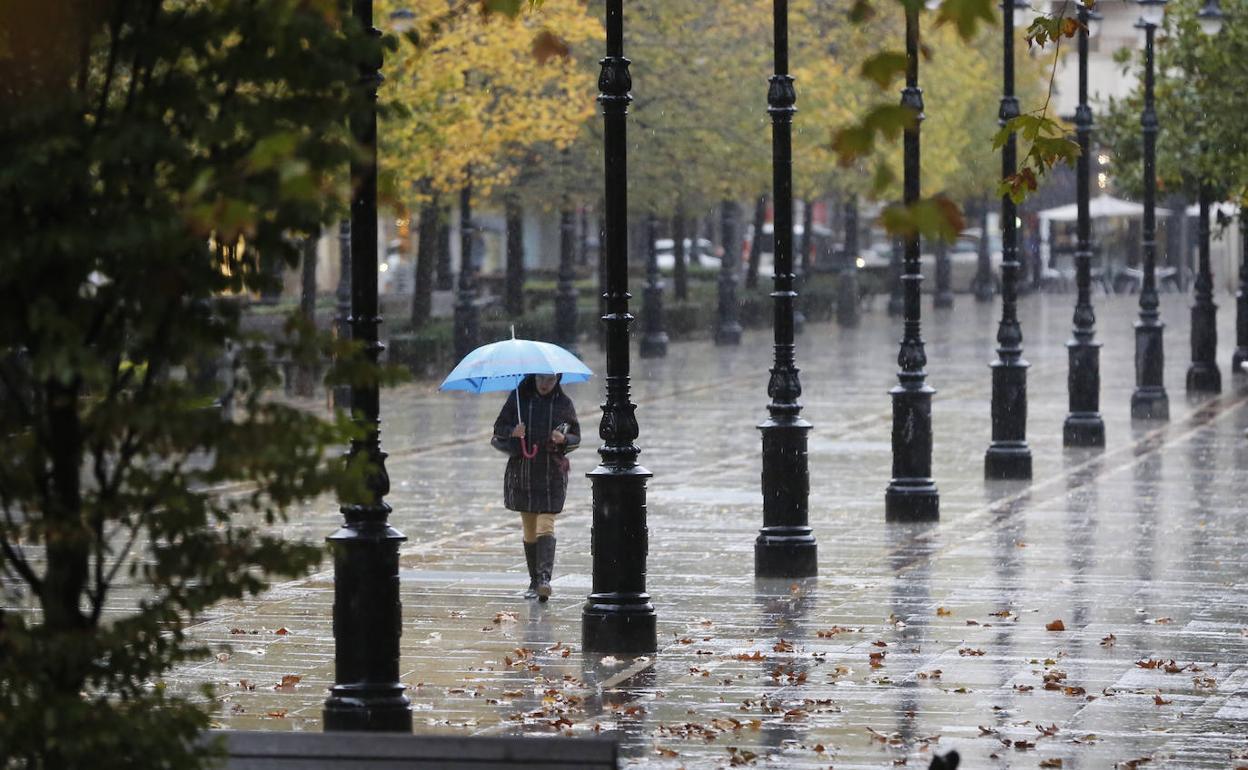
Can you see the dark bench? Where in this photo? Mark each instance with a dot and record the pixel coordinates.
(382, 751)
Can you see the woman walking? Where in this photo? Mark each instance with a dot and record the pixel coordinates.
(536, 428)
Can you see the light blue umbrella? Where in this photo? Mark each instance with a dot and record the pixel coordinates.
(502, 365)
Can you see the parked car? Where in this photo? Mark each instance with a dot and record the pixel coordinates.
(963, 258)
(667, 259)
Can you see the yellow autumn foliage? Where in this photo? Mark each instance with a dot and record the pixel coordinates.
(480, 92)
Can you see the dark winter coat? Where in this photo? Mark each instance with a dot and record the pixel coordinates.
(536, 485)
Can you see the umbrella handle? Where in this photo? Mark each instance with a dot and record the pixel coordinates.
(529, 452)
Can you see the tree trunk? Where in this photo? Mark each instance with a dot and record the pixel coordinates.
(513, 299)
(445, 275)
(756, 243)
(426, 248)
(68, 537)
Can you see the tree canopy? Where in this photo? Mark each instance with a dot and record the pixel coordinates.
(150, 155)
(1200, 88)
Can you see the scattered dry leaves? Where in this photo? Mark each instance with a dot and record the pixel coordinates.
(828, 633)
(1056, 625)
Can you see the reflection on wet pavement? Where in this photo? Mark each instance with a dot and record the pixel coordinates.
(1096, 615)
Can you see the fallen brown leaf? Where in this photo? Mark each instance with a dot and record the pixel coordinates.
(1056, 625)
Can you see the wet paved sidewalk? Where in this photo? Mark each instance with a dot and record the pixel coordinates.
(1097, 615)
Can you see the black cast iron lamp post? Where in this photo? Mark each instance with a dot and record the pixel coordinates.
(617, 616)
(728, 330)
(654, 339)
(367, 693)
(1203, 375)
(1149, 401)
(785, 546)
(1084, 426)
(1240, 356)
(1008, 456)
(912, 494)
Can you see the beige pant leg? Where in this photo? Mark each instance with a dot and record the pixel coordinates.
(544, 524)
(528, 523)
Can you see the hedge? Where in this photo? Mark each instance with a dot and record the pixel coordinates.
(430, 350)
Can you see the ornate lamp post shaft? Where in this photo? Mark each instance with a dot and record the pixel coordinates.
(467, 314)
(728, 331)
(944, 275)
(912, 494)
(367, 693)
(1203, 375)
(983, 286)
(786, 545)
(565, 292)
(1008, 456)
(618, 615)
(1241, 304)
(1083, 425)
(1149, 401)
(654, 339)
(847, 310)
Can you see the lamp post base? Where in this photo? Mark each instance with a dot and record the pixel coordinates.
(1204, 377)
(368, 708)
(1237, 362)
(653, 346)
(728, 334)
(847, 311)
(983, 289)
(1008, 460)
(1084, 426)
(619, 623)
(618, 615)
(367, 695)
(911, 500)
(1083, 430)
(1150, 403)
(785, 552)
(1008, 455)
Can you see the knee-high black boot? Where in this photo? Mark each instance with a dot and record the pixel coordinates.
(545, 565)
(530, 556)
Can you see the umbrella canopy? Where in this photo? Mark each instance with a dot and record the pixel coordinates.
(501, 366)
(1100, 206)
(1225, 209)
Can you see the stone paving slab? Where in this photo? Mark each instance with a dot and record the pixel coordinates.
(1137, 549)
